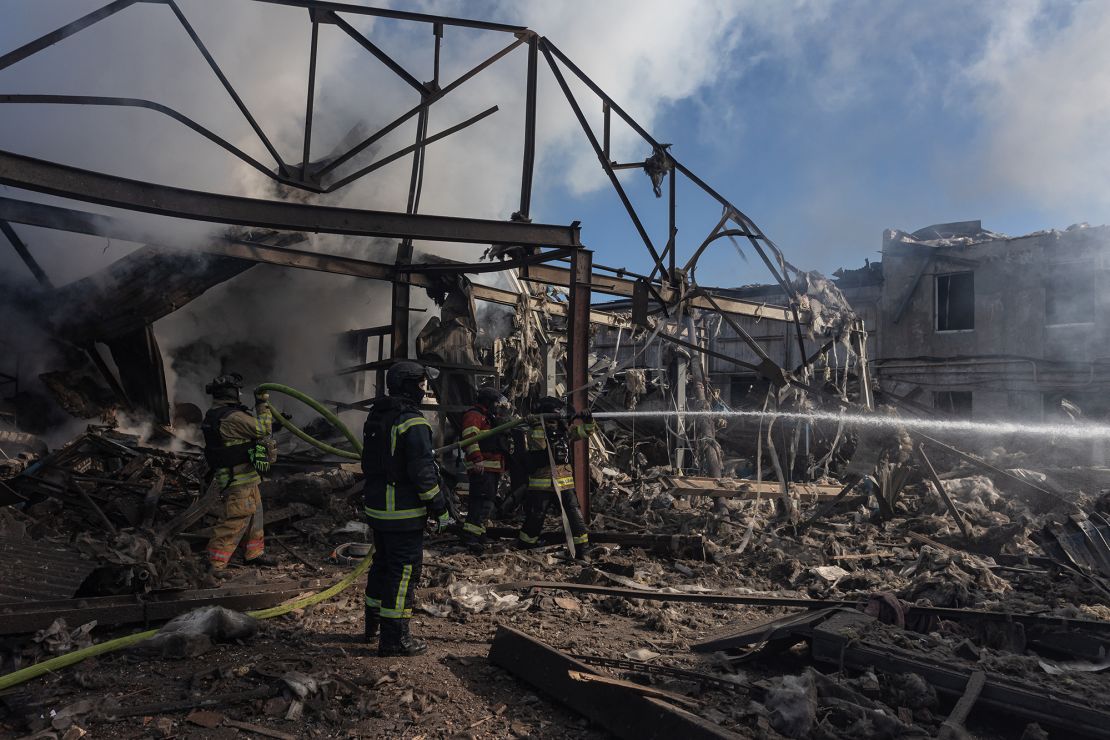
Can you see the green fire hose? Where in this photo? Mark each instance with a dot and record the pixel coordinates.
(63, 661)
(325, 412)
(319, 408)
(485, 435)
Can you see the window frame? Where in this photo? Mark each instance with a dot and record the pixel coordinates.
(950, 409)
(936, 301)
(1066, 270)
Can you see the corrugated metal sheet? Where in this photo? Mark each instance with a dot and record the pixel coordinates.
(32, 570)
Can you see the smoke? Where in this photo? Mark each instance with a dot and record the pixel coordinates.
(1038, 85)
(283, 325)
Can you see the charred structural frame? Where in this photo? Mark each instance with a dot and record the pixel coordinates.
(670, 286)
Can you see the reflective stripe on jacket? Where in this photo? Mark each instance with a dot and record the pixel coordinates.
(237, 428)
(404, 503)
(475, 421)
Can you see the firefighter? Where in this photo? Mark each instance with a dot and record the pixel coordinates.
(485, 463)
(549, 438)
(237, 449)
(400, 492)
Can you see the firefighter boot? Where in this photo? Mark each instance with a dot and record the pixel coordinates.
(373, 621)
(472, 542)
(398, 641)
(263, 561)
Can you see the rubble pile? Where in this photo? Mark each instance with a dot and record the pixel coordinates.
(704, 610)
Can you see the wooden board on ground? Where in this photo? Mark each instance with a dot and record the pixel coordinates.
(745, 490)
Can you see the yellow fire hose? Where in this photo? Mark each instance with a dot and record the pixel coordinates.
(64, 661)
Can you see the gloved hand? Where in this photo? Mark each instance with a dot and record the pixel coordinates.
(261, 395)
(561, 450)
(443, 521)
(260, 457)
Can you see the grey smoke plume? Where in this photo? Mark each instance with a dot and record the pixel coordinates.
(291, 318)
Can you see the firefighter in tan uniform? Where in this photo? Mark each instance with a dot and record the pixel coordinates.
(237, 449)
(549, 440)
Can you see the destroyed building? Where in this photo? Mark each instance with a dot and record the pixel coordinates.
(985, 326)
(790, 540)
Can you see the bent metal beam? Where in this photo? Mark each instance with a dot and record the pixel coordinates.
(42, 176)
(81, 222)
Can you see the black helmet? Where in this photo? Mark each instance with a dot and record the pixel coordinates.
(549, 405)
(404, 377)
(495, 404)
(489, 397)
(225, 386)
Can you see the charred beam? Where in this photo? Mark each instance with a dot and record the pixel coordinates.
(95, 187)
(605, 164)
(418, 147)
(833, 645)
(1040, 622)
(226, 83)
(314, 45)
(400, 15)
(64, 32)
(421, 106)
(578, 339)
(380, 55)
(156, 107)
(25, 254)
(82, 222)
(625, 713)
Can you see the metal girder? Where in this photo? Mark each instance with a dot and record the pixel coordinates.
(81, 222)
(100, 100)
(400, 15)
(613, 285)
(42, 42)
(380, 55)
(418, 147)
(71, 182)
(836, 642)
(578, 350)
(423, 105)
(625, 713)
(25, 254)
(605, 165)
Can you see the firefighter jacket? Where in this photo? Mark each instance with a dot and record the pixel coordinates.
(232, 439)
(488, 455)
(556, 434)
(398, 460)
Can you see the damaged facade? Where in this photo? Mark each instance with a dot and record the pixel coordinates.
(988, 326)
(780, 551)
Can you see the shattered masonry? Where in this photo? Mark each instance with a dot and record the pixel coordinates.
(758, 574)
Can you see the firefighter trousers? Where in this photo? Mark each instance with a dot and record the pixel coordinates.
(394, 572)
(536, 506)
(482, 498)
(241, 515)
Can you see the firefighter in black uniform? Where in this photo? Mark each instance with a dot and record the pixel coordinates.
(549, 440)
(400, 492)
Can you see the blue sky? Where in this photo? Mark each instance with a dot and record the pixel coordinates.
(825, 121)
(877, 115)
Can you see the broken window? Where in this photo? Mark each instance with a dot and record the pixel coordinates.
(1069, 295)
(956, 301)
(956, 403)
